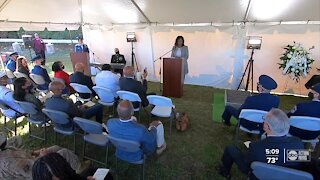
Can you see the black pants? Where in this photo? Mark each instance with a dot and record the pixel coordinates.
(43, 55)
(302, 134)
(231, 155)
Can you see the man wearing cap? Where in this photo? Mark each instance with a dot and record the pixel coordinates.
(311, 109)
(263, 101)
(39, 70)
(118, 59)
(11, 64)
(39, 47)
(81, 47)
(6, 97)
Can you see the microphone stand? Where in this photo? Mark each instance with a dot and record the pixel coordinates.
(159, 59)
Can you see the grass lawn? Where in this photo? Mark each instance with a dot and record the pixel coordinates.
(189, 155)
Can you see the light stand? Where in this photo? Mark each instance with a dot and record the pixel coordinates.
(131, 37)
(253, 43)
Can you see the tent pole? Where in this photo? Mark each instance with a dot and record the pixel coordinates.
(245, 18)
(4, 4)
(140, 10)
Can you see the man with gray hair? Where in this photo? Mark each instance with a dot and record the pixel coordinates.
(126, 127)
(276, 125)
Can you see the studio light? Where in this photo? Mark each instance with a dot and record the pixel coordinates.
(254, 42)
(131, 37)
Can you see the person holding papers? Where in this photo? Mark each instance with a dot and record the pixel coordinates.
(58, 103)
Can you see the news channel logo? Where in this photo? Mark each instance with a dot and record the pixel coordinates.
(298, 155)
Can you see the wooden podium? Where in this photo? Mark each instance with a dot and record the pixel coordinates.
(81, 57)
(173, 77)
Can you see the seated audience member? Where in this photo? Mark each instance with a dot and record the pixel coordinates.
(39, 70)
(58, 69)
(263, 101)
(6, 96)
(128, 83)
(11, 63)
(311, 109)
(22, 65)
(127, 128)
(276, 126)
(16, 163)
(107, 79)
(58, 103)
(80, 78)
(22, 93)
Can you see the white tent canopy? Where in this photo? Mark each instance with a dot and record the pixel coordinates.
(214, 30)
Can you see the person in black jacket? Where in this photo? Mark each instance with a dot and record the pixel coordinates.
(128, 83)
(80, 78)
(276, 126)
(118, 58)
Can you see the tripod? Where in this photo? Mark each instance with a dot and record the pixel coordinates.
(159, 59)
(249, 68)
(133, 58)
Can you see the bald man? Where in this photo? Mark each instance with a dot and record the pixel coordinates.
(79, 77)
(58, 103)
(118, 59)
(128, 83)
(126, 127)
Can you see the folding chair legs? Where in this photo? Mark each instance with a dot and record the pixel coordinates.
(15, 125)
(237, 133)
(92, 159)
(44, 138)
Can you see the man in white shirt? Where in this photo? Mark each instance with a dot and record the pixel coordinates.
(6, 97)
(107, 79)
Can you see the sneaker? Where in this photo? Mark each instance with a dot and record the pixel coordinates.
(161, 149)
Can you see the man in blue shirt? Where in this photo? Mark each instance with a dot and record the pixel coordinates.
(126, 127)
(81, 47)
(263, 101)
(11, 64)
(311, 109)
(39, 70)
(276, 126)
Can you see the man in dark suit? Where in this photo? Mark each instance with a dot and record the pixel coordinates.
(276, 126)
(263, 101)
(311, 109)
(128, 83)
(118, 59)
(39, 70)
(81, 47)
(58, 103)
(79, 77)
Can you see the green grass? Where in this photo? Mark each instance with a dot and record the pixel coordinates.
(189, 155)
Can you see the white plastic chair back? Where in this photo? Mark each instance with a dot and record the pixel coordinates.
(10, 74)
(19, 75)
(253, 115)
(39, 80)
(305, 123)
(160, 101)
(80, 88)
(130, 96)
(105, 95)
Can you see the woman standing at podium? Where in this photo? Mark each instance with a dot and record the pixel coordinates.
(179, 50)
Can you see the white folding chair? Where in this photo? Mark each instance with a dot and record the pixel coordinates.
(39, 80)
(163, 107)
(252, 115)
(79, 88)
(9, 74)
(132, 97)
(19, 75)
(106, 96)
(306, 123)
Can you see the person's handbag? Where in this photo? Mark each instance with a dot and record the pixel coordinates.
(182, 122)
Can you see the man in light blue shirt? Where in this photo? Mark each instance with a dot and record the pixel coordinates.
(128, 128)
(107, 79)
(6, 97)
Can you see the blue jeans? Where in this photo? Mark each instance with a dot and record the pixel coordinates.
(96, 110)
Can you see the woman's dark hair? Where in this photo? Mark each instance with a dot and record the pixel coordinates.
(56, 66)
(177, 39)
(52, 164)
(19, 93)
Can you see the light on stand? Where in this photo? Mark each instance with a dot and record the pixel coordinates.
(131, 37)
(254, 42)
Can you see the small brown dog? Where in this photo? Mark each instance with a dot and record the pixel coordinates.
(182, 122)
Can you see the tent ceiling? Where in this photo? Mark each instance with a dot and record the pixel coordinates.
(107, 12)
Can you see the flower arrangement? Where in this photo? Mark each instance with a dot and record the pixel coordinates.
(296, 61)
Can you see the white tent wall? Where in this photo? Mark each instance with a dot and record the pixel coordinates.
(217, 54)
